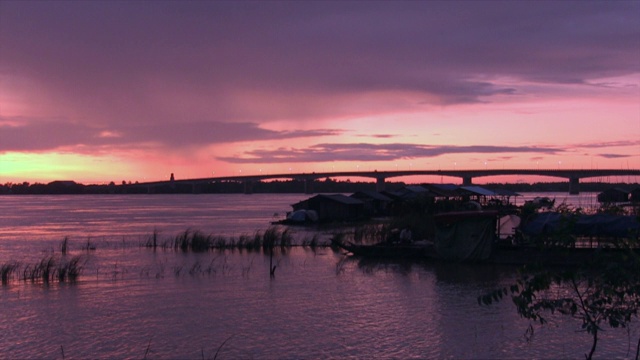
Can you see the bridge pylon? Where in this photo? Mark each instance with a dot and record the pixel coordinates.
(574, 186)
(380, 184)
(308, 186)
(248, 187)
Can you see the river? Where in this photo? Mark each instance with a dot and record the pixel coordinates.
(135, 302)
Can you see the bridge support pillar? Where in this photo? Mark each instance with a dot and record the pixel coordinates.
(248, 187)
(380, 184)
(308, 186)
(466, 181)
(574, 186)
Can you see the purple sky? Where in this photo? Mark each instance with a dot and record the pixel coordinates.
(111, 90)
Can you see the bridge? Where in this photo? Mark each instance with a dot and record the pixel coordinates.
(467, 176)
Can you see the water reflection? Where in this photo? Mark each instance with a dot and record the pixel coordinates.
(175, 304)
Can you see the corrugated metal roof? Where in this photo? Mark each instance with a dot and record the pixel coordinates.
(479, 190)
(371, 194)
(415, 188)
(341, 199)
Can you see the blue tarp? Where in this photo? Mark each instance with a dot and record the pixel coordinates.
(548, 223)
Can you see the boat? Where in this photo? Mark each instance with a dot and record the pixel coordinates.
(471, 236)
(416, 250)
(460, 236)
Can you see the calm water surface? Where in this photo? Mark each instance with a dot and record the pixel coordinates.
(132, 302)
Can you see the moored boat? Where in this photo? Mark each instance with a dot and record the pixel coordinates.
(471, 236)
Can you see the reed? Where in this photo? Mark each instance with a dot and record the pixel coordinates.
(70, 270)
(286, 239)
(196, 269)
(7, 270)
(269, 238)
(49, 269)
(371, 234)
(200, 242)
(312, 243)
(338, 238)
(197, 241)
(225, 243)
(46, 268)
(242, 241)
(256, 244)
(193, 241)
(181, 241)
(152, 241)
(64, 245)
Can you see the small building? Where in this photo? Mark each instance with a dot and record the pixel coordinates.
(375, 203)
(408, 192)
(335, 207)
(477, 193)
(445, 191)
(64, 187)
(613, 195)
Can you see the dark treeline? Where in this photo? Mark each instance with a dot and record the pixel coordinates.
(288, 186)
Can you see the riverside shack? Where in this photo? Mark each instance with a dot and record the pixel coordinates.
(334, 207)
(375, 203)
(613, 195)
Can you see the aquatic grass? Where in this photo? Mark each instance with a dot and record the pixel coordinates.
(371, 234)
(181, 241)
(312, 243)
(196, 268)
(193, 241)
(42, 271)
(196, 241)
(152, 241)
(210, 270)
(269, 238)
(221, 346)
(70, 270)
(338, 238)
(89, 246)
(286, 239)
(48, 269)
(256, 244)
(200, 242)
(7, 270)
(221, 242)
(177, 270)
(64, 246)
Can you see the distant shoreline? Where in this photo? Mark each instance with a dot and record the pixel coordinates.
(274, 187)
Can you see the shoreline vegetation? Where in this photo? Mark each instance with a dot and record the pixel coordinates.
(272, 187)
(602, 292)
(416, 215)
(62, 267)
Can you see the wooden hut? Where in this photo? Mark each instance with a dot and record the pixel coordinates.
(613, 195)
(375, 203)
(335, 207)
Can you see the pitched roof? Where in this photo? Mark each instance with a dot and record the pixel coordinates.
(340, 198)
(477, 190)
(370, 194)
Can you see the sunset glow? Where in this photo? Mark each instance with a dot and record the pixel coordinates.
(134, 91)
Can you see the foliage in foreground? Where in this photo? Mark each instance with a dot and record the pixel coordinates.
(603, 292)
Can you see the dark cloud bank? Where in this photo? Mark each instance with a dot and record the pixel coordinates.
(175, 73)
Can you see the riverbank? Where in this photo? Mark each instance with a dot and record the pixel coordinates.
(274, 187)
